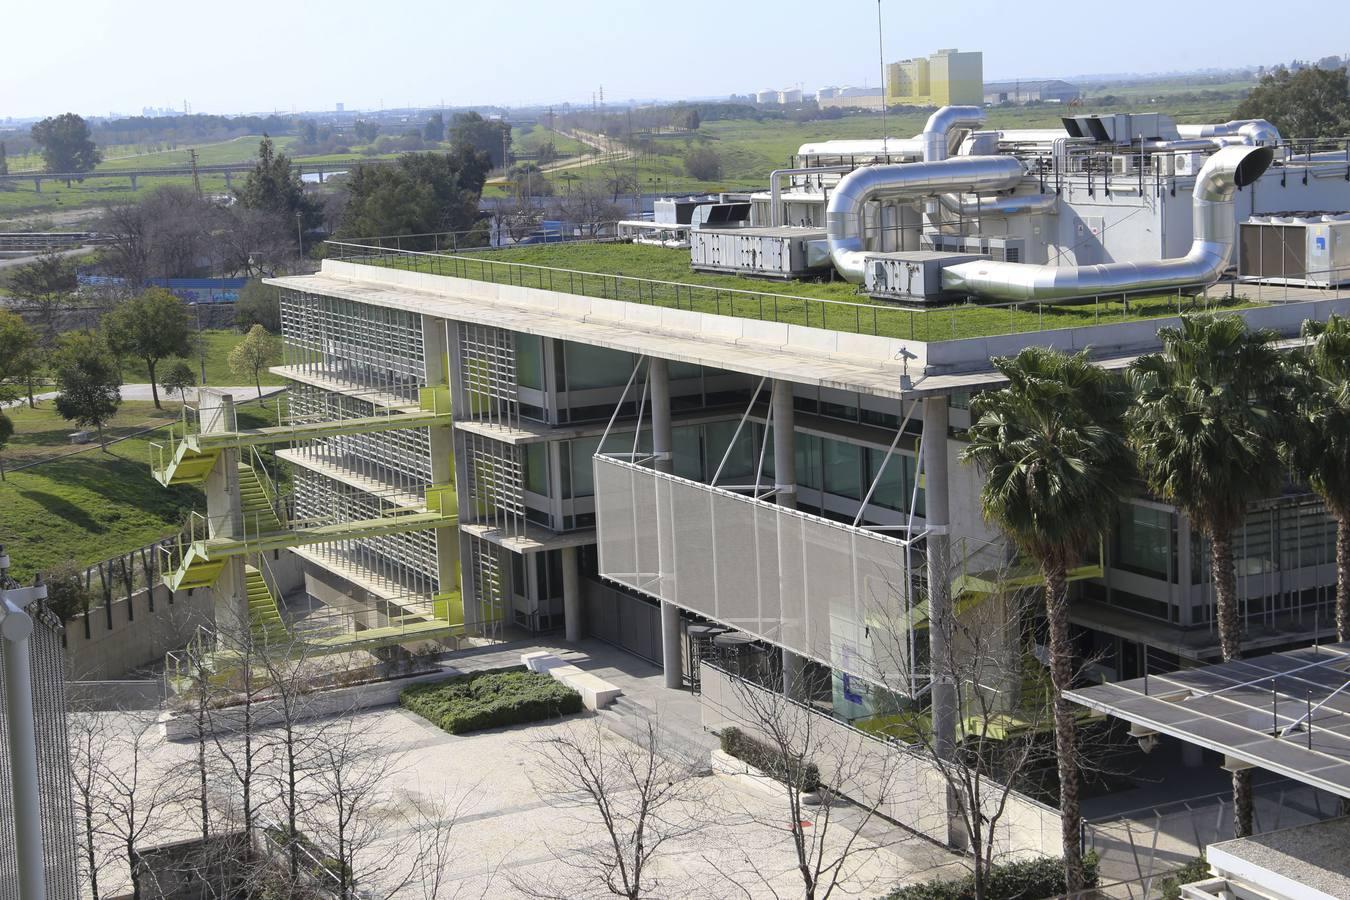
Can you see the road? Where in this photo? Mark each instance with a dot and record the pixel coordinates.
(12, 261)
(142, 392)
(609, 151)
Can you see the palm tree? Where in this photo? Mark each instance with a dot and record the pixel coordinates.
(1055, 461)
(1317, 445)
(1206, 425)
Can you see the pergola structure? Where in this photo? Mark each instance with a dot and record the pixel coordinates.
(1288, 713)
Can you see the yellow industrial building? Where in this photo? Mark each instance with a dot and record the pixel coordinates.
(947, 78)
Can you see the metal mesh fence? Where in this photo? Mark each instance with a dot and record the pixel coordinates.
(824, 590)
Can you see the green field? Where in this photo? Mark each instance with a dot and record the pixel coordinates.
(42, 434)
(530, 139)
(91, 505)
(673, 285)
(751, 149)
(217, 346)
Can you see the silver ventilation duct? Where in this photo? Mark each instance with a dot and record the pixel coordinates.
(1251, 131)
(911, 181)
(1027, 204)
(1215, 227)
(942, 133)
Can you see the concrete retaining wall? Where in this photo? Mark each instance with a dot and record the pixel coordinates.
(914, 791)
(137, 636)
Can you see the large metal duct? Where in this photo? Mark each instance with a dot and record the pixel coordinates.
(911, 181)
(1027, 204)
(1215, 228)
(1252, 131)
(942, 133)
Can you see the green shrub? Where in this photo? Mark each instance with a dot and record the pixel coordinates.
(1031, 879)
(1195, 870)
(490, 700)
(769, 760)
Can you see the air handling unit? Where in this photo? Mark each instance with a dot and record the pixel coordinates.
(1310, 249)
(912, 277)
(782, 252)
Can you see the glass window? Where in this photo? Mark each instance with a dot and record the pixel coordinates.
(530, 361)
(536, 468)
(580, 476)
(843, 469)
(1143, 540)
(688, 446)
(741, 461)
(596, 367)
(890, 491)
(680, 371)
(808, 461)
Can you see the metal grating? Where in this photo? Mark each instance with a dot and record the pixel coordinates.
(488, 373)
(408, 560)
(831, 592)
(359, 344)
(496, 473)
(488, 585)
(401, 459)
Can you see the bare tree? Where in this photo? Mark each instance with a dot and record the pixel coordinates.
(1005, 716)
(806, 749)
(640, 795)
(589, 207)
(89, 777)
(136, 798)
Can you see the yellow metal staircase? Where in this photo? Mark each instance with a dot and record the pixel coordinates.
(263, 613)
(257, 502)
(188, 455)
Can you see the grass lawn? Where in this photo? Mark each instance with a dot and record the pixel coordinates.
(795, 303)
(41, 433)
(92, 505)
(217, 344)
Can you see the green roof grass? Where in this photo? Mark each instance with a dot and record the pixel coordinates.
(662, 277)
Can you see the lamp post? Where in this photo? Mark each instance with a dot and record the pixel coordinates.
(300, 233)
(15, 629)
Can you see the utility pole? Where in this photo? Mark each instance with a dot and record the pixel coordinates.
(196, 180)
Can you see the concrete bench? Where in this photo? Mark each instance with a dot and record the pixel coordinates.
(81, 437)
(596, 693)
(539, 661)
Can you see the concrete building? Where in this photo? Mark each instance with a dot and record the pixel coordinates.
(851, 98)
(997, 93)
(946, 78)
(655, 467)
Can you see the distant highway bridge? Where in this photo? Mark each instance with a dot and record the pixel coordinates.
(229, 170)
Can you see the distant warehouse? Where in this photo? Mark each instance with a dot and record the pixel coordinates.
(1049, 91)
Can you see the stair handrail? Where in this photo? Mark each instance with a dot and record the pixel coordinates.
(269, 487)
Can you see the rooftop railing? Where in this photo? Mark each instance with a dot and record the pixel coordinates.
(939, 323)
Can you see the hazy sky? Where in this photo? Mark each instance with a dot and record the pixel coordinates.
(94, 57)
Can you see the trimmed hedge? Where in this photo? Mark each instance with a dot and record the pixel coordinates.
(1031, 879)
(490, 700)
(769, 760)
(1195, 870)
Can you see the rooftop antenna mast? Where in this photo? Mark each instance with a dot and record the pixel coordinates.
(881, 63)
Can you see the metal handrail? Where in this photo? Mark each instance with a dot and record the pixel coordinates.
(820, 312)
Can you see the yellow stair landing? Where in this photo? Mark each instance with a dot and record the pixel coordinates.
(281, 434)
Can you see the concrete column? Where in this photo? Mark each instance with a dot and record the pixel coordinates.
(938, 518)
(15, 631)
(670, 645)
(784, 445)
(571, 587)
(662, 438)
(785, 494)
